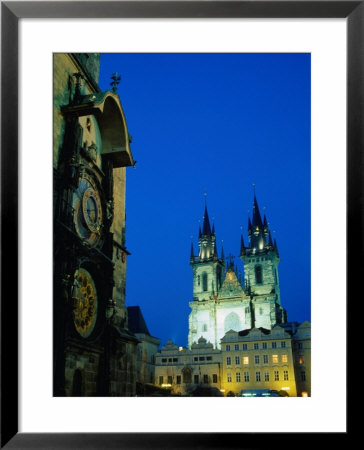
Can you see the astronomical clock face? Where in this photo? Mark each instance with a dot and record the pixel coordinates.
(84, 297)
(87, 210)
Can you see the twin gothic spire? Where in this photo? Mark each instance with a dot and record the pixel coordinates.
(260, 239)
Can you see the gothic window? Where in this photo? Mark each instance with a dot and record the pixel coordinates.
(204, 281)
(232, 322)
(198, 280)
(258, 275)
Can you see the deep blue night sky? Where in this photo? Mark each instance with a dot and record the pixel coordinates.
(214, 123)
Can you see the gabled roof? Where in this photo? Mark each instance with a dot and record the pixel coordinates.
(136, 320)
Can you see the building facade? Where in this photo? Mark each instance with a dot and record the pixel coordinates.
(94, 352)
(221, 301)
(258, 359)
(182, 369)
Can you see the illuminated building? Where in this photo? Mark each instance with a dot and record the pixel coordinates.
(258, 359)
(182, 369)
(221, 302)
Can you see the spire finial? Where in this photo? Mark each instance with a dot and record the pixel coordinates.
(115, 81)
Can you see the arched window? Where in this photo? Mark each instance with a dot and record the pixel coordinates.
(258, 275)
(204, 281)
(198, 280)
(187, 375)
(77, 384)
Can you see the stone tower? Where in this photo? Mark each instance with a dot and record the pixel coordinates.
(261, 260)
(208, 273)
(208, 269)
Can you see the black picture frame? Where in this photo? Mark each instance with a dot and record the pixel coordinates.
(11, 12)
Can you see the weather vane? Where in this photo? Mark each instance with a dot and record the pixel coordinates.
(116, 80)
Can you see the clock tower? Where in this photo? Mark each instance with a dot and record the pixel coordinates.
(94, 352)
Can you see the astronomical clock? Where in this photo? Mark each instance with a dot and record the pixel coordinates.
(91, 146)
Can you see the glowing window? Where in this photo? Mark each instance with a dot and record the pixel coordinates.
(245, 359)
(284, 358)
(301, 360)
(275, 359)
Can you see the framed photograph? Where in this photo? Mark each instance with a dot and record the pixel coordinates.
(64, 239)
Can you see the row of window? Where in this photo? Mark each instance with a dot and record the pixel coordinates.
(196, 358)
(264, 346)
(245, 359)
(164, 360)
(258, 376)
(196, 379)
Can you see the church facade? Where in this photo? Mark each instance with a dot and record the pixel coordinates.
(222, 301)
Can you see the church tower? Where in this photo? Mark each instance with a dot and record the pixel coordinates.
(261, 260)
(208, 273)
(208, 269)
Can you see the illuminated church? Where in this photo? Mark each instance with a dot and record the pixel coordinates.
(222, 301)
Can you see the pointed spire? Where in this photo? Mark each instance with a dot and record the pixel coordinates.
(257, 220)
(275, 245)
(192, 257)
(222, 252)
(206, 229)
(270, 242)
(242, 246)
